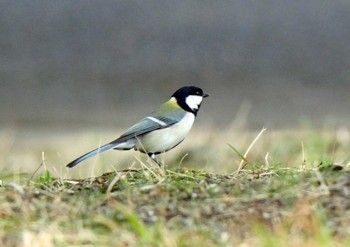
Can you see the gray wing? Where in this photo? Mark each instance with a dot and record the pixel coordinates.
(145, 126)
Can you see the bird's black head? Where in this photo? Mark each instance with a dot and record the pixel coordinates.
(190, 98)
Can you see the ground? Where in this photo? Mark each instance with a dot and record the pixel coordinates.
(293, 199)
(181, 208)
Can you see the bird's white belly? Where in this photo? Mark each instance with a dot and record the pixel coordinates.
(165, 139)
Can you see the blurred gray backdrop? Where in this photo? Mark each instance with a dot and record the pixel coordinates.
(107, 63)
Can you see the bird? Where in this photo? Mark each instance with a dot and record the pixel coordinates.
(162, 130)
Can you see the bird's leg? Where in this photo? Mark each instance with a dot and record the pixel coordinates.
(153, 157)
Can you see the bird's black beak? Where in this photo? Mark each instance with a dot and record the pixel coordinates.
(206, 95)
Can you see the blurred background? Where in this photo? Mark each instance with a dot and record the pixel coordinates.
(69, 67)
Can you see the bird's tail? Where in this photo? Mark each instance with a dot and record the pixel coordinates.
(91, 153)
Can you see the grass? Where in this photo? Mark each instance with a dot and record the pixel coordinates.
(290, 189)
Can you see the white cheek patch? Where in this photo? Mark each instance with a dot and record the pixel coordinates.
(193, 101)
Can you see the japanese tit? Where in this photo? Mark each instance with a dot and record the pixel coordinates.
(162, 130)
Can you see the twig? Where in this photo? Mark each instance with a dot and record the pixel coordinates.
(267, 164)
(114, 181)
(37, 169)
(160, 179)
(244, 162)
(182, 159)
(323, 184)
